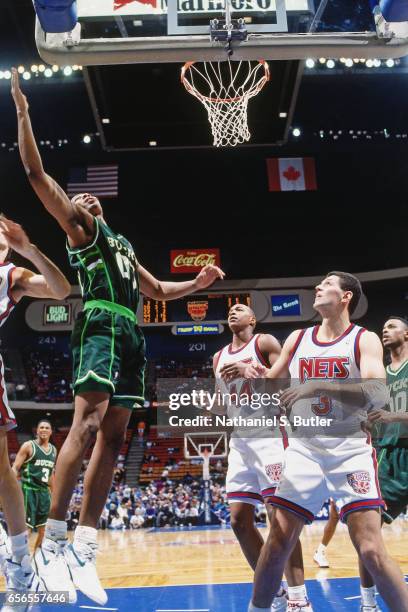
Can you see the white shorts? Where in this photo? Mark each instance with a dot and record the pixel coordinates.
(7, 418)
(344, 469)
(254, 469)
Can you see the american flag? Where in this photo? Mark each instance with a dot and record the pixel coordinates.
(100, 181)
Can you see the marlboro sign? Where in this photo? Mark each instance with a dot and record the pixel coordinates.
(188, 261)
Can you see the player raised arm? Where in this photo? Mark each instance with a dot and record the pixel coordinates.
(50, 283)
(167, 290)
(270, 349)
(24, 454)
(279, 359)
(74, 220)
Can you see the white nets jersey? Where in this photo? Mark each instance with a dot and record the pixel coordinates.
(7, 420)
(6, 301)
(255, 459)
(320, 466)
(339, 361)
(249, 353)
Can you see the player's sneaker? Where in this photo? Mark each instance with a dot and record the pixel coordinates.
(81, 561)
(280, 603)
(5, 549)
(21, 577)
(320, 558)
(299, 606)
(369, 608)
(50, 565)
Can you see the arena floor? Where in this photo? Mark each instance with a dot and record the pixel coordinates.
(203, 570)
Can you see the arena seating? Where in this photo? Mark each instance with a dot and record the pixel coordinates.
(166, 454)
(49, 375)
(12, 442)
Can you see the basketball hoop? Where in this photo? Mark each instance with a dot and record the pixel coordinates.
(224, 89)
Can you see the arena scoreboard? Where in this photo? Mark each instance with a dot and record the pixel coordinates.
(208, 307)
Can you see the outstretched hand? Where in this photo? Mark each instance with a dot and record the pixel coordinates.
(16, 236)
(229, 371)
(208, 275)
(19, 98)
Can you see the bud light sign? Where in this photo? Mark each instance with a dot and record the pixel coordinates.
(285, 305)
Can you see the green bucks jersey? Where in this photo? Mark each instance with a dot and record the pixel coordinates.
(396, 434)
(36, 472)
(107, 268)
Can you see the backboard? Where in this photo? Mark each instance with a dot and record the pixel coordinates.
(143, 31)
(197, 444)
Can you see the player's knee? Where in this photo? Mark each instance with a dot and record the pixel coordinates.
(90, 425)
(372, 554)
(241, 522)
(6, 475)
(114, 439)
(275, 549)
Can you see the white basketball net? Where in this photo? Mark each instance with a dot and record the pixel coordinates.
(224, 89)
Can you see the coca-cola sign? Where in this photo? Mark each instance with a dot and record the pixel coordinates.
(188, 261)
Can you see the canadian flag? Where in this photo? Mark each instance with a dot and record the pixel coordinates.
(291, 174)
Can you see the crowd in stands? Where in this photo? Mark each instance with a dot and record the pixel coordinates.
(49, 375)
(171, 493)
(165, 500)
(163, 503)
(171, 369)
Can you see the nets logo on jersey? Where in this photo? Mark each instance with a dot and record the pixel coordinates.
(359, 482)
(274, 471)
(323, 367)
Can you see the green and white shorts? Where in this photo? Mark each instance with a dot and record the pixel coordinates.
(108, 351)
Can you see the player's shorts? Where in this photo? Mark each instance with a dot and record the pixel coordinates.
(344, 469)
(254, 469)
(7, 418)
(108, 351)
(393, 477)
(37, 503)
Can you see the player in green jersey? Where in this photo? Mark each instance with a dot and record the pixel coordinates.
(393, 443)
(392, 437)
(35, 462)
(108, 360)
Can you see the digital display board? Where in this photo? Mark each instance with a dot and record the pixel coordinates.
(209, 307)
(55, 314)
(197, 329)
(285, 305)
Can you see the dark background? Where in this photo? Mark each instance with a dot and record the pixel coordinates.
(356, 220)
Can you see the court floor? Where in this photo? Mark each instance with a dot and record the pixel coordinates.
(333, 595)
(203, 570)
